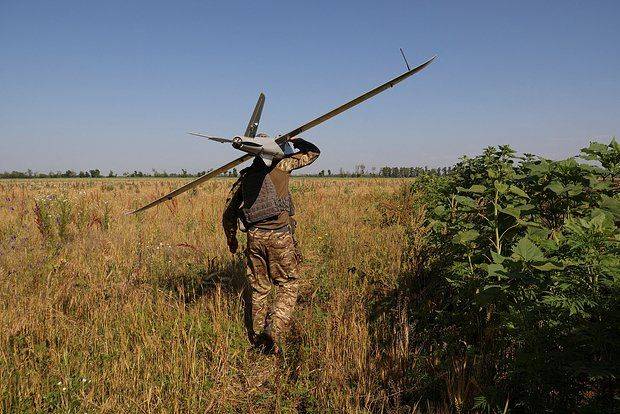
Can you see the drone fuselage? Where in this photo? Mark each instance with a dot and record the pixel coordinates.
(263, 146)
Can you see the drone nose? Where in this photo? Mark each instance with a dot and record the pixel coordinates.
(237, 141)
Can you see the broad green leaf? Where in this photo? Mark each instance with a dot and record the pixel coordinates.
(599, 185)
(466, 201)
(548, 266)
(511, 211)
(438, 225)
(439, 210)
(611, 264)
(500, 187)
(538, 169)
(528, 251)
(495, 269)
(602, 221)
(529, 223)
(516, 190)
(556, 187)
(575, 190)
(476, 188)
(488, 294)
(465, 236)
(497, 258)
(595, 148)
(612, 205)
(538, 232)
(568, 163)
(487, 287)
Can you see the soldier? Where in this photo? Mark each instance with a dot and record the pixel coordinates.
(260, 201)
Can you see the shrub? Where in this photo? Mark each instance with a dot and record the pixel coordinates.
(521, 282)
(53, 217)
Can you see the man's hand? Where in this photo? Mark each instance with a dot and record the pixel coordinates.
(233, 245)
(298, 142)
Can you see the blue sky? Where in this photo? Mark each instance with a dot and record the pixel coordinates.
(117, 84)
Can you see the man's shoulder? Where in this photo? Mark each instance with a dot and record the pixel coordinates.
(286, 164)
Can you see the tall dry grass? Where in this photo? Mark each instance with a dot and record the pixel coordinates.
(102, 312)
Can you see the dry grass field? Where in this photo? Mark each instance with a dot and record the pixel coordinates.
(102, 312)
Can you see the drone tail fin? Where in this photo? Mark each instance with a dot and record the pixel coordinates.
(252, 128)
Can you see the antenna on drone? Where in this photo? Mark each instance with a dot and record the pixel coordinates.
(406, 63)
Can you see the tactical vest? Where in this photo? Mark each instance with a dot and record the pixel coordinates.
(260, 197)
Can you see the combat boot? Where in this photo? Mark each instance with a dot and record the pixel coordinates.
(266, 344)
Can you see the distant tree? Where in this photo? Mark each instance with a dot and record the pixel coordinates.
(13, 174)
(95, 173)
(329, 172)
(322, 173)
(360, 170)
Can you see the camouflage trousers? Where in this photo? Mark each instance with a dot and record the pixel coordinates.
(273, 261)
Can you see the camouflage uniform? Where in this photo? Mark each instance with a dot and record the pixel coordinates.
(272, 259)
(272, 254)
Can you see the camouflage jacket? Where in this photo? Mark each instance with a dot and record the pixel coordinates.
(307, 154)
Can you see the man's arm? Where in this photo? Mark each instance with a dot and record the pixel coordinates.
(308, 152)
(229, 218)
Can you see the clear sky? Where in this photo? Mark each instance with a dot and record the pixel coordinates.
(117, 84)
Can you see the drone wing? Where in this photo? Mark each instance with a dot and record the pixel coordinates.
(353, 102)
(253, 126)
(194, 183)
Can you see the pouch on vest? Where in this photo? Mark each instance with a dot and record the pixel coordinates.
(260, 199)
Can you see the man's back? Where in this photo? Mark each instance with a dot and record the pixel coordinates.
(259, 187)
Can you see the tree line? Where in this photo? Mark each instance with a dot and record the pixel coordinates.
(359, 171)
(390, 172)
(111, 174)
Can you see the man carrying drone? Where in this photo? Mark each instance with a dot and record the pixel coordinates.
(261, 201)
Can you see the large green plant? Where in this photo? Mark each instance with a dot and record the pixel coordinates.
(525, 278)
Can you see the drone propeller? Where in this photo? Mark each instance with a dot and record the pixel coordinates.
(212, 138)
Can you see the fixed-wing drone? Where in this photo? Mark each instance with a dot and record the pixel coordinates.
(270, 149)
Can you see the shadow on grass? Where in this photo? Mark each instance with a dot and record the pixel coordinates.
(227, 276)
